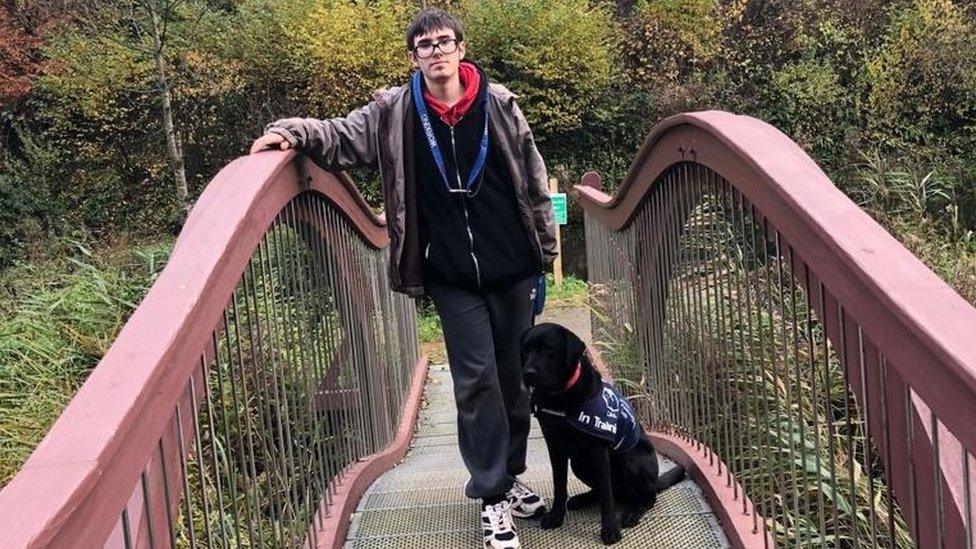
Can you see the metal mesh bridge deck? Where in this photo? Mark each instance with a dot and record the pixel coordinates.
(420, 503)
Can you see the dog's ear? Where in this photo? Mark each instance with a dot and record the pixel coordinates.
(574, 347)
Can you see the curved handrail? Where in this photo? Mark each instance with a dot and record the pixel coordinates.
(72, 488)
(906, 307)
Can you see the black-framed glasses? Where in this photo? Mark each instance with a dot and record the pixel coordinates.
(426, 49)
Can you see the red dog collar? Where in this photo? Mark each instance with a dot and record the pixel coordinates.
(572, 380)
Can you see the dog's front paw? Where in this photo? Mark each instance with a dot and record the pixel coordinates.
(610, 534)
(630, 518)
(581, 501)
(552, 519)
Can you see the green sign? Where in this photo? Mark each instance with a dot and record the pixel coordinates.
(559, 207)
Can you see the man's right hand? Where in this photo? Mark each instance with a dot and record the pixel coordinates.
(269, 141)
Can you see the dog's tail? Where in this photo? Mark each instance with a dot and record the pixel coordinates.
(671, 477)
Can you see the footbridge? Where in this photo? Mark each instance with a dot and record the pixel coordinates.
(817, 381)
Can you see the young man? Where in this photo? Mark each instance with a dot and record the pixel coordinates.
(471, 225)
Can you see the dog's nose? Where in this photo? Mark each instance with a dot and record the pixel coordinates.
(530, 377)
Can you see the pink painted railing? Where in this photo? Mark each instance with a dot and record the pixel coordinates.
(782, 344)
(266, 375)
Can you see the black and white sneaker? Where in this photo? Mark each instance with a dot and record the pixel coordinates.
(498, 528)
(525, 503)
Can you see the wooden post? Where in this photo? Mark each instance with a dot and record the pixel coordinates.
(557, 265)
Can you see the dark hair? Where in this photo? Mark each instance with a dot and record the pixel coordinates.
(431, 19)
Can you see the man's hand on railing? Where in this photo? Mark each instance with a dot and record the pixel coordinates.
(269, 140)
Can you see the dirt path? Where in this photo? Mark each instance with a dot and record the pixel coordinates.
(576, 319)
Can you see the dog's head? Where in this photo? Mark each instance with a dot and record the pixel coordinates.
(550, 353)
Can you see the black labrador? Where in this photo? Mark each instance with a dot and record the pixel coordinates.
(585, 423)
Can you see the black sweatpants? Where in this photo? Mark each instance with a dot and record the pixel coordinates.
(481, 333)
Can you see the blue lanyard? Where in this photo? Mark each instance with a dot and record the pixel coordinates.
(479, 162)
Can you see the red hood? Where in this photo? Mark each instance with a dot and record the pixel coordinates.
(471, 82)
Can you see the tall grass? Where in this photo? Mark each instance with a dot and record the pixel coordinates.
(57, 319)
(923, 211)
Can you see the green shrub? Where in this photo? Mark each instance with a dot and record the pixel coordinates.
(812, 102)
(922, 77)
(57, 319)
(665, 40)
(23, 209)
(557, 56)
(346, 49)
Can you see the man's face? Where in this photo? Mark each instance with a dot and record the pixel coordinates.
(437, 66)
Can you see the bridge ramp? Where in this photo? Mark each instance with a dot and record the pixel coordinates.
(420, 503)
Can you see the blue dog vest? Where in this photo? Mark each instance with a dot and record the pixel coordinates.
(607, 416)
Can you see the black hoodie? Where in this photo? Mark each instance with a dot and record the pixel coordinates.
(475, 242)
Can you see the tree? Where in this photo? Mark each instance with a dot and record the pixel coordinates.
(144, 26)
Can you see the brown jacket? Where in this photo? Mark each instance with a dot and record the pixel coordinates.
(374, 135)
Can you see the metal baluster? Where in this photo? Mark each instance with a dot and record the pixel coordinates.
(230, 472)
(695, 231)
(755, 373)
(259, 369)
(310, 359)
(188, 505)
(306, 358)
(147, 506)
(768, 485)
(882, 366)
(280, 404)
(967, 490)
(167, 496)
(937, 481)
(212, 431)
(829, 414)
(705, 332)
(815, 427)
(344, 350)
(261, 401)
(336, 417)
(250, 488)
(126, 533)
(353, 332)
(200, 457)
(742, 293)
(286, 250)
(799, 385)
(847, 417)
(866, 412)
(668, 395)
(773, 512)
(718, 253)
(671, 328)
(689, 392)
(659, 302)
(681, 318)
(736, 459)
(913, 488)
(791, 424)
(321, 351)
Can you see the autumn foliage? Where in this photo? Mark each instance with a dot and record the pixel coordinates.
(864, 86)
(20, 60)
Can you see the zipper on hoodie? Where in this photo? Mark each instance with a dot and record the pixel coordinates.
(464, 207)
